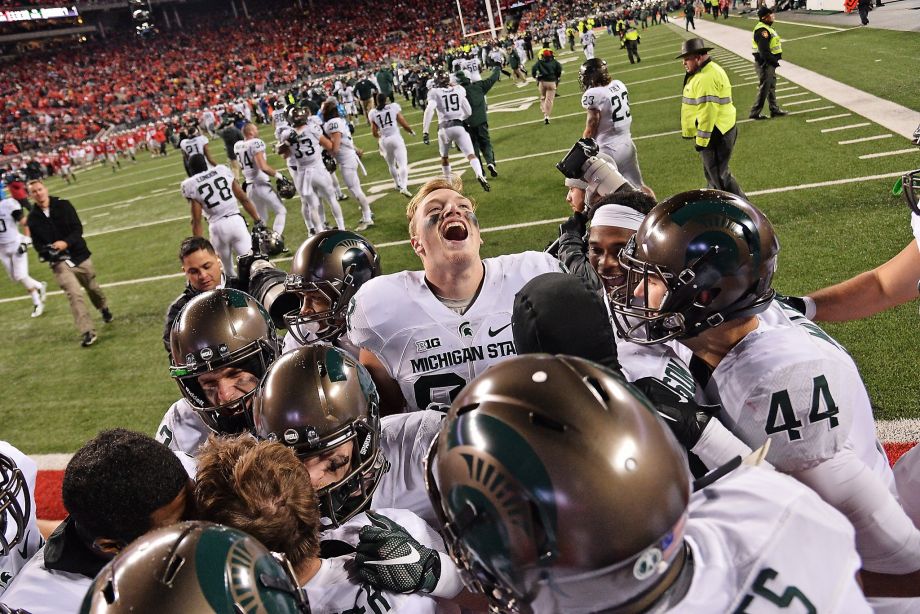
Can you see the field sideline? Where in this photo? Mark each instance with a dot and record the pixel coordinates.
(819, 174)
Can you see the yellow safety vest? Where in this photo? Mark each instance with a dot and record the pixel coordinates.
(776, 46)
(632, 34)
(706, 104)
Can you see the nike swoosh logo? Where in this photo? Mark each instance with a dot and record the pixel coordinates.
(412, 557)
(492, 333)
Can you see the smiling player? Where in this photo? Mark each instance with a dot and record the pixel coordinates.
(424, 334)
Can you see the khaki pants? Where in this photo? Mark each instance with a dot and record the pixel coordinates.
(547, 97)
(71, 279)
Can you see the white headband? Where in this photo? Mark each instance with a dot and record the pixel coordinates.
(617, 215)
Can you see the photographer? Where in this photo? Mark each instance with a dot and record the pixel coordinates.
(57, 235)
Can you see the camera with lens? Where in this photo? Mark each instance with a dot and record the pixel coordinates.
(52, 255)
(265, 282)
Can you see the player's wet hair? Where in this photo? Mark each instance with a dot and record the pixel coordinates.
(330, 109)
(190, 245)
(117, 480)
(197, 163)
(381, 101)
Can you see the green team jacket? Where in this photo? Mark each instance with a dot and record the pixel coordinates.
(385, 80)
(476, 94)
(547, 70)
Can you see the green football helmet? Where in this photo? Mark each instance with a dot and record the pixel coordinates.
(196, 568)
(560, 489)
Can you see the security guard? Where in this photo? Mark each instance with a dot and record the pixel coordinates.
(631, 42)
(708, 115)
(768, 51)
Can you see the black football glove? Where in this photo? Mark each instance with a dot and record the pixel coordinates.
(23, 248)
(259, 226)
(686, 419)
(576, 224)
(391, 559)
(425, 139)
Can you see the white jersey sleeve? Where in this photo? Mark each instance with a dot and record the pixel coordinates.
(431, 351)
(213, 188)
(12, 563)
(9, 227)
(246, 154)
(612, 104)
(405, 439)
(915, 226)
(43, 591)
(182, 429)
(762, 543)
(333, 590)
(346, 153)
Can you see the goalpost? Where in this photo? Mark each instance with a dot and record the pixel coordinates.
(493, 26)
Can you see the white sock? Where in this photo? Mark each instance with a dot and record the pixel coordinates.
(446, 170)
(477, 167)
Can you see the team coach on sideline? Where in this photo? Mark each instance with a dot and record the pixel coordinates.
(57, 235)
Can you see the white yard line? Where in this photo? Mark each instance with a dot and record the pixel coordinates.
(827, 117)
(885, 154)
(793, 95)
(847, 127)
(803, 101)
(864, 139)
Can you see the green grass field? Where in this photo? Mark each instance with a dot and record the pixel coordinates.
(59, 394)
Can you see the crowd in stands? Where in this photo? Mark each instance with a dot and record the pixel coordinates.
(69, 94)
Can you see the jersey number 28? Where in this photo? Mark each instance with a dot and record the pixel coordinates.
(223, 192)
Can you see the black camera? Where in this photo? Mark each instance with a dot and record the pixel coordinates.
(265, 282)
(53, 256)
(572, 164)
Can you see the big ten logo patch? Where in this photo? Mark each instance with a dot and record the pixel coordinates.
(427, 344)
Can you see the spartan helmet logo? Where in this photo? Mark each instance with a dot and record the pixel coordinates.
(465, 330)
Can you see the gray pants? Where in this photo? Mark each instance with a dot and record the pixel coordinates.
(766, 73)
(715, 162)
(71, 279)
(624, 154)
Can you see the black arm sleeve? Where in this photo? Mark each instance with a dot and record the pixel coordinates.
(572, 251)
(763, 47)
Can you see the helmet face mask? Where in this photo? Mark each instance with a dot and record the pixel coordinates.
(226, 333)
(315, 400)
(522, 531)
(714, 252)
(910, 184)
(298, 116)
(15, 505)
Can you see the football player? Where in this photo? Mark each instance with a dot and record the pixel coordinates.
(251, 154)
(222, 343)
(627, 535)
(347, 156)
(326, 272)
(587, 43)
(19, 534)
(263, 489)
(116, 487)
(424, 334)
(452, 107)
(303, 144)
(194, 143)
(198, 566)
(14, 252)
(215, 194)
(609, 118)
(386, 119)
(699, 270)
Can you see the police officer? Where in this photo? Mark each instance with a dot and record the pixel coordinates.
(631, 42)
(768, 51)
(708, 115)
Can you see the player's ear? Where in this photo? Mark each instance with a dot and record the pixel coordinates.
(417, 247)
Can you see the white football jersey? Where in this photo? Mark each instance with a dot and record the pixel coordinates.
(333, 591)
(385, 119)
(612, 102)
(346, 145)
(11, 564)
(430, 350)
(450, 102)
(472, 68)
(182, 429)
(915, 226)
(246, 154)
(306, 152)
(213, 188)
(661, 361)
(279, 118)
(194, 145)
(43, 591)
(763, 543)
(790, 382)
(405, 439)
(9, 227)
(587, 38)
(348, 94)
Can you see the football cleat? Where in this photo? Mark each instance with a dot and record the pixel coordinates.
(484, 183)
(37, 310)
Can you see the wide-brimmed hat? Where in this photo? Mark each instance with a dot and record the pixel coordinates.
(693, 46)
